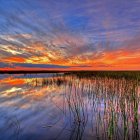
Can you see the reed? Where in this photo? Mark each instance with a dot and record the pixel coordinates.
(105, 103)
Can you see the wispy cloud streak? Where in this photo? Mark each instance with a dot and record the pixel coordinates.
(100, 34)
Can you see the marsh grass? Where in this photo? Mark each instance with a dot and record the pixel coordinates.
(103, 103)
(110, 74)
(106, 103)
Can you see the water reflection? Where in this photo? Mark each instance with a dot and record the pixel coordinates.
(67, 107)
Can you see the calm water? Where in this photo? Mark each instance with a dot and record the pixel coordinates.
(58, 107)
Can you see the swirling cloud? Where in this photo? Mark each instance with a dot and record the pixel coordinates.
(75, 35)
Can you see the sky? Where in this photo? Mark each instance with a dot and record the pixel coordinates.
(70, 34)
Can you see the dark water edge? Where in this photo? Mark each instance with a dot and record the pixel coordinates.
(28, 71)
(83, 73)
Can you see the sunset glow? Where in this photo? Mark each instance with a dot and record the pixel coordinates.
(86, 35)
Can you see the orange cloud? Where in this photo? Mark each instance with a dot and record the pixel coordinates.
(14, 59)
(68, 50)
